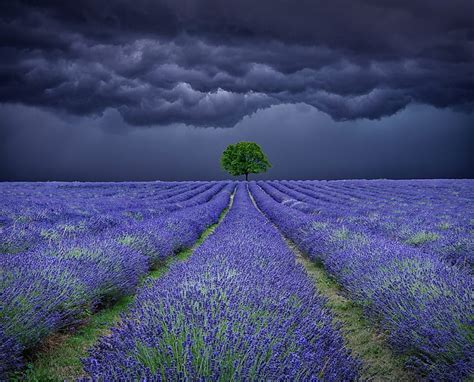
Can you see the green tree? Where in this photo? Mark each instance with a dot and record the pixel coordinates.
(244, 158)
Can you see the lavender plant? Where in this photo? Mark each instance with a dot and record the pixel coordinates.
(240, 308)
(423, 219)
(424, 304)
(57, 283)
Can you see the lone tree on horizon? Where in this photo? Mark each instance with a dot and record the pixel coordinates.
(244, 158)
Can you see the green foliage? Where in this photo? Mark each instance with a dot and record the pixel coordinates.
(422, 237)
(127, 240)
(50, 234)
(444, 225)
(244, 158)
(341, 234)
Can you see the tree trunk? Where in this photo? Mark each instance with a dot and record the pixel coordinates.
(246, 176)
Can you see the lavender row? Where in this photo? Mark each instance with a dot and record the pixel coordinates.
(438, 190)
(425, 200)
(32, 213)
(55, 287)
(27, 205)
(423, 304)
(84, 218)
(239, 308)
(448, 232)
(51, 201)
(436, 204)
(378, 194)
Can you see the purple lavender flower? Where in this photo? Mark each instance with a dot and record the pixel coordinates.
(421, 301)
(239, 308)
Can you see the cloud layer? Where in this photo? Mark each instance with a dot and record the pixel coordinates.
(300, 142)
(210, 62)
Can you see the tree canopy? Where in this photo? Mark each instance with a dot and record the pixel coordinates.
(244, 158)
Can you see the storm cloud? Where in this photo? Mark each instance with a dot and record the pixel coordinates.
(211, 63)
(301, 143)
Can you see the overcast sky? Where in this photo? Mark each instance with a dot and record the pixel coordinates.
(145, 90)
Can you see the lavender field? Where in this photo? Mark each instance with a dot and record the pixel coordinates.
(241, 305)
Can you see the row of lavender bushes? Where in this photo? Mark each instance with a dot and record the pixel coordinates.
(239, 308)
(55, 285)
(423, 304)
(47, 214)
(430, 218)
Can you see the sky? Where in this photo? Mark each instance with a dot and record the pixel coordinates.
(155, 90)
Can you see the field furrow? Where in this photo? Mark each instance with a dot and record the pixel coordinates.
(423, 304)
(57, 285)
(240, 308)
(416, 223)
(302, 280)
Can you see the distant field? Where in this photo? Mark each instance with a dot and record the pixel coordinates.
(277, 280)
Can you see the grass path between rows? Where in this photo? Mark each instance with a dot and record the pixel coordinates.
(59, 358)
(366, 343)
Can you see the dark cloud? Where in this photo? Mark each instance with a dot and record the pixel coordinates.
(212, 62)
(301, 143)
